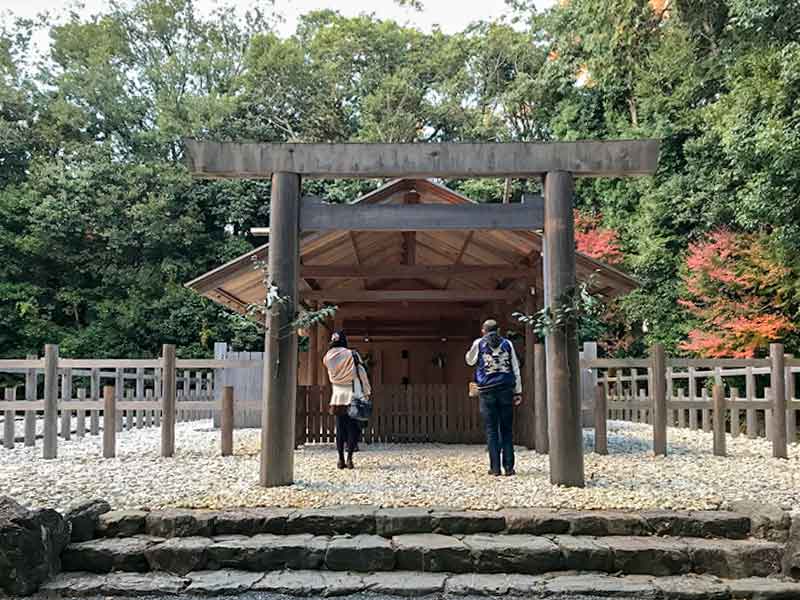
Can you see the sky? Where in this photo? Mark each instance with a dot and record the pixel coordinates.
(449, 15)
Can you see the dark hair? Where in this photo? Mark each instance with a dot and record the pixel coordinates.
(338, 340)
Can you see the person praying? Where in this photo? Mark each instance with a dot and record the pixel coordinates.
(499, 391)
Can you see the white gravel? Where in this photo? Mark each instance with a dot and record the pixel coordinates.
(401, 474)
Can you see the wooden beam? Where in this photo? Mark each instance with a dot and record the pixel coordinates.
(495, 271)
(451, 160)
(345, 295)
(410, 311)
(421, 217)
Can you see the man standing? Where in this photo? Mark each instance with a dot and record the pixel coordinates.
(500, 390)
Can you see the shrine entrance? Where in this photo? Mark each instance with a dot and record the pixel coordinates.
(415, 267)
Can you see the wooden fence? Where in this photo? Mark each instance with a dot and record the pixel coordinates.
(414, 413)
(62, 398)
(755, 397)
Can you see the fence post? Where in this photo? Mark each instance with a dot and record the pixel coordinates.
(600, 416)
(8, 420)
(540, 397)
(768, 421)
(50, 445)
(791, 419)
(168, 401)
(226, 421)
(659, 396)
(588, 383)
(119, 390)
(66, 396)
(80, 415)
(94, 394)
(735, 414)
(778, 385)
(718, 395)
(30, 395)
(109, 422)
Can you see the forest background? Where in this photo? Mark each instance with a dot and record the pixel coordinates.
(100, 223)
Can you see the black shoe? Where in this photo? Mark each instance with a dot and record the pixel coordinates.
(350, 464)
(510, 472)
(341, 464)
(494, 473)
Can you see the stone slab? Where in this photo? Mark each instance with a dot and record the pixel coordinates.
(603, 585)
(408, 584)
(467, 522)
(364, 553)
(585, 553)
(534, 521)
(649, 555)
(311, 583)
(83, 519)
(337, 520)
(180, 523)
(757, 588)
(602, 523)
(431, 552)
(225, 581)
(179, 555)
(142, 584)
(121, 523)
(735, 559)
(526, 554)
(766, 520)
(80, 583)
(107, 554)
(390, 522)
(253, 521)
(702, 523)
(267, 552)
(494, 584)
(692, 587)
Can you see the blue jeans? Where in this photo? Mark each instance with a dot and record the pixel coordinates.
(497, 411)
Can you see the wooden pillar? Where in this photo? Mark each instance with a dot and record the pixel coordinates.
(323, 337)
(600, 419)
(169, 383)
(541, 434)
(778, 386)
(226, 421)
(50, 444)
(8, 420)
(563, 371)
(30, 395)
(109, 422)
(718, 397)
(66, 396)
(658, 363)
(528, 386)
(280, 348)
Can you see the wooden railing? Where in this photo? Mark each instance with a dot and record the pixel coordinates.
(745, 393)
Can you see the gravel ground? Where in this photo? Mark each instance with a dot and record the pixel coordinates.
(401, 475)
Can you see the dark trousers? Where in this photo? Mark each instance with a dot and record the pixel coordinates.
(497, 411)
(347, 431)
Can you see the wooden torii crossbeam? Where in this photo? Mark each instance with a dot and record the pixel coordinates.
(557, 163)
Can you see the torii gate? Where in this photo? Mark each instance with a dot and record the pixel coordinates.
(557, 163)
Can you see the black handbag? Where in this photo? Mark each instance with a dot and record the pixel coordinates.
(360, 407)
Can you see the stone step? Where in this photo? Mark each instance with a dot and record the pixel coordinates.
(479, 553)
(389, 522)
(418, 584)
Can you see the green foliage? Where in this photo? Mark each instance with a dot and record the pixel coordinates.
(100, 225)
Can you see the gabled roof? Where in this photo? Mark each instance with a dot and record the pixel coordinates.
(237, 284)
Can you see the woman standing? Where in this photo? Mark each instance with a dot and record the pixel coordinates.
(349, 379)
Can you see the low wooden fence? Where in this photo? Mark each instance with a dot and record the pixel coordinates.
(753, 397)
(415, 413)
(62, 398)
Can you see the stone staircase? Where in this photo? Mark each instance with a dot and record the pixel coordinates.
(417, 552)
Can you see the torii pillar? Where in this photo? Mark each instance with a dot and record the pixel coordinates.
(563, 399)
(280, 364)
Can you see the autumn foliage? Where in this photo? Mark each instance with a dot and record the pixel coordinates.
(735, 290)
(596, 241)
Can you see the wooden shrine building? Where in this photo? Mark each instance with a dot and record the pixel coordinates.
(415, 267)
